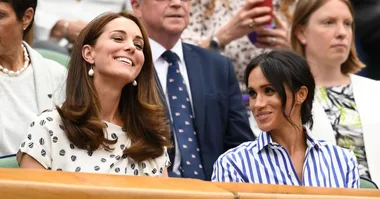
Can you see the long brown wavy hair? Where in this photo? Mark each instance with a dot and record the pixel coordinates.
(143, 115)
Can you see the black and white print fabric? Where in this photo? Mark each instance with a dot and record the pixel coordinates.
(47, 142)
(340, 107)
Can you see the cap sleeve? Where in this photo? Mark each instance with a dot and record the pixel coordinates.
(37, 143)
(156, 166)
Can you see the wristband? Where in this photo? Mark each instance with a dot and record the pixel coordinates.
(65, 27)
(215, 44)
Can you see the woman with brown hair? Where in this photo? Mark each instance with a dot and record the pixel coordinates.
(346, 107)
(112, 120)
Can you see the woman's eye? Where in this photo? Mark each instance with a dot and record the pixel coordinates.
(252, 93)
(349, 24)
(328, 22)
(139, 46)
(269, 91)
(117, 39)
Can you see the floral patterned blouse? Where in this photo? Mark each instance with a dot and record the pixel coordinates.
(340, 107)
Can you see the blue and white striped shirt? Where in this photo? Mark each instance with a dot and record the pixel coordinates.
(264, 161)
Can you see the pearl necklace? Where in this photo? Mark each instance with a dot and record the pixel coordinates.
(26, 64)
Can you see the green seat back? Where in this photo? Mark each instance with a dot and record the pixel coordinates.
(8, 161)
(56, 56)
(367, 184)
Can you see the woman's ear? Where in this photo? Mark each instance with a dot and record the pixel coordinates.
(300, 34)
(27, 18)
(88, 54)
(301, 95)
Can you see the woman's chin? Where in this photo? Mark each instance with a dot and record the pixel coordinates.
(264, 128)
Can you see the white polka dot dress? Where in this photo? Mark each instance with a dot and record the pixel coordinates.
(47, 143)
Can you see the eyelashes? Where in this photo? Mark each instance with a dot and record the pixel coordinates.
(268, 91)
(138, 44)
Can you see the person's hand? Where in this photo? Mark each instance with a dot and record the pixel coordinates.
(67, 29)
(277, 38)
(74, 29)
(248, 19)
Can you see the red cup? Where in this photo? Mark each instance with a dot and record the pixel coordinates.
(267, 3)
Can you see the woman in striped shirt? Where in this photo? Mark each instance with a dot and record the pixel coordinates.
(281, 89)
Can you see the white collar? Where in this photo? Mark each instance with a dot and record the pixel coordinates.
(265, 139)
(158, 49)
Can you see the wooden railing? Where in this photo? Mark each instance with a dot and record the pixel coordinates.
(262, 191)
(39, 184)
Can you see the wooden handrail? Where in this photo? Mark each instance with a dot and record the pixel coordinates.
(38, 184)
(245, 190)
(41, 184)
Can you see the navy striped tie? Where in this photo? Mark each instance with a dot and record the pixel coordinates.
(180, 108)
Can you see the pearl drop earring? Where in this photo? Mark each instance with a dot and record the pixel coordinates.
(91, 72)
(134, 83)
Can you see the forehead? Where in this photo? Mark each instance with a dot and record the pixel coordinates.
(256, 78)
(123, 24)
(5, 7)
(333, 8)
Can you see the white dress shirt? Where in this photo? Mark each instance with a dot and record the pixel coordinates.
(161, 67)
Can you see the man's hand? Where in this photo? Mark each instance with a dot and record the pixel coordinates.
(67, 29)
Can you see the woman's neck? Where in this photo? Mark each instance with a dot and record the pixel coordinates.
(292, 138)
(13, 59)
(328, 74)
(109, 99)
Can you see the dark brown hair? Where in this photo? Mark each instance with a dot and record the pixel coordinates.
(286, 68)
(20, 7)
(302, 13)
(143, 116)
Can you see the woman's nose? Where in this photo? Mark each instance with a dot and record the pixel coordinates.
(342, 30)
(129, 47)
(258, 102)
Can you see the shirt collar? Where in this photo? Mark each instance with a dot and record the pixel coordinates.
(264, 140)
(310, 140)
(158, 50)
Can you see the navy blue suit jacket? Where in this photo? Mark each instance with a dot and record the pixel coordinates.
(221, 120)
